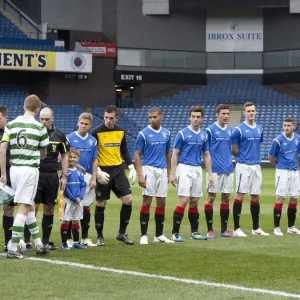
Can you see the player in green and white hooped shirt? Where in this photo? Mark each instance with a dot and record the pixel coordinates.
(28, 140)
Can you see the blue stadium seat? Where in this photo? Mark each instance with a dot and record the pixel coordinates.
(11, 37)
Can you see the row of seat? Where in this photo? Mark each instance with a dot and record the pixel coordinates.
(11, 37)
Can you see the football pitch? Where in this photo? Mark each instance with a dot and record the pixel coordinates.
(255, 267)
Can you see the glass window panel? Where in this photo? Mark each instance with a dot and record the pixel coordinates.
(129, 57)
(278, 59)
(248, 61)
(220, 61)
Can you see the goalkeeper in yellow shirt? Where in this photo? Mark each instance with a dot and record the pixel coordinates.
(112, 146)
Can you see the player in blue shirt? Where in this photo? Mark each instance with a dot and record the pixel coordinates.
(73, 209)
(220, 141)
(186, 172)
(284, 155)
(152, 157)
(247, 138)
(87, 145)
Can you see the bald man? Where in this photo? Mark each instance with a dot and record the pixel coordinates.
(48, 180)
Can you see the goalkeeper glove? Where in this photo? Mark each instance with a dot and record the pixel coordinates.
(132, 173)
(102, 177)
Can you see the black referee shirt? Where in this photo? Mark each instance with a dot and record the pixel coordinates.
(57, 144)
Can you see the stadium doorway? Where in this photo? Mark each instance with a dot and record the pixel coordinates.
(124, 96)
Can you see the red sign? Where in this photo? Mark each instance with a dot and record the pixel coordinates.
(101, 49)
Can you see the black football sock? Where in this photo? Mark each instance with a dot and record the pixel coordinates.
(99, 220)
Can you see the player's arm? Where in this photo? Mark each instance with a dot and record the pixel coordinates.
(174, 162)
(64, 159)
(175, 155)
(168, 157)
(69, 193)
(94, 165)
(82, 187)
(272, 159)
(138, 166)
(275, 147)
(236, 137)
(94, 173)
(44, 142)
(207, 162)
(138, 150)
(3, 149)
(43, 153)
(125, 154)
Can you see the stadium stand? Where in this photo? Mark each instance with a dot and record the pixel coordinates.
(10, 30)
(272, 107)
(66, 116)
(11, 37)
(29, 44)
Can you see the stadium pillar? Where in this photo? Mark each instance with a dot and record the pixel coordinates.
(156, 7)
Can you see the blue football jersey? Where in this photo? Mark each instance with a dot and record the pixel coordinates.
(153, 144)
(75, 185)
(87, 147)
(191, 144)
(220, 141)
(286, 151)
(248, 139)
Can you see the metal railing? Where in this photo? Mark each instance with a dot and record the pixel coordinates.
(33, 31)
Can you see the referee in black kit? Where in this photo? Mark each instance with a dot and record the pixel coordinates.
(48, 180)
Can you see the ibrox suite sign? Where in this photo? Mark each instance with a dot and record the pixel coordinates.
(235, 36)
(226, 35)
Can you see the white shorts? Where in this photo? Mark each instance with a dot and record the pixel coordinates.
(72, 211)
(156, 180)
(223, 183)
(24, 181)
(287, 183)
(248, 179)
(89, 196)
(189, 181)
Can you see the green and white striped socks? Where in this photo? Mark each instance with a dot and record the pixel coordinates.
(17, 231)
(33, 228)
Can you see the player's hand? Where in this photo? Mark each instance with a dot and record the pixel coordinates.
(142, 182)
(62, 183)
(210, 181)
(81, 168)
(3, 179)
(174, 179)
(102, 177)
(78, 200)
(132, 174)
(92, 183)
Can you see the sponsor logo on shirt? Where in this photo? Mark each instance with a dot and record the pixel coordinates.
(112, 145)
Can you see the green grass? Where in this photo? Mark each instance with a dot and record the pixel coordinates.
(254, 262)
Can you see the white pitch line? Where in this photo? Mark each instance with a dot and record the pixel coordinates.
(162, 277)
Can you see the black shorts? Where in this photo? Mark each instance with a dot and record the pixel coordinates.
(47, 188)
(118, 183)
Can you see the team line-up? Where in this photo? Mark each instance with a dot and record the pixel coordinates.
(92, 168)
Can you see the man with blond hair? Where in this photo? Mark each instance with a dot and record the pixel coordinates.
(28, 140)
(87, 145)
